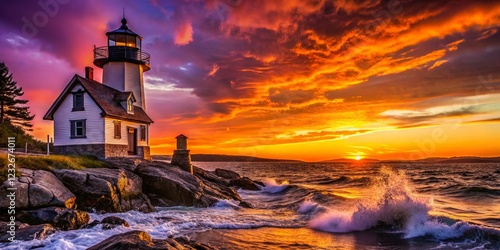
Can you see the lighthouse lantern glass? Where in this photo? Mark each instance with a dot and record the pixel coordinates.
(123, 40)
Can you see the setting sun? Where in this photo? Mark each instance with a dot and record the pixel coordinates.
(358, 157)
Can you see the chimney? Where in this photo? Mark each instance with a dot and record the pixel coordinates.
(89, 73)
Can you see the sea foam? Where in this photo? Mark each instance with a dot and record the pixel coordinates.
(271, 186)
(391, 205)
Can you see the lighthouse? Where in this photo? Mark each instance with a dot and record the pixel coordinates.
(123, 62)
(106, 119)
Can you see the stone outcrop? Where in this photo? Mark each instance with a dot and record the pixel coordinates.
(21, 195)
(227, 174)
(129, 164)
(106, 190)
(62, 218)
(244, 183)
(209, 176)
(169, 185)
(36, 189)
(27, 232)
(141, 240)
(107, 223)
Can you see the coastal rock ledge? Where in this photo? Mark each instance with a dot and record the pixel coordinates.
(140, 240)
(60, 199)
(169, 185)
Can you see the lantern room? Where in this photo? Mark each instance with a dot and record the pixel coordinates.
(124, 45)
(124, 37)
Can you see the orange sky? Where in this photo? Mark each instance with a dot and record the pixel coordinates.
(308, 80)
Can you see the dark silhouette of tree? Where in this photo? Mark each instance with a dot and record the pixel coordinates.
(13, 109)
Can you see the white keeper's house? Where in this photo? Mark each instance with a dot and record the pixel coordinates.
(106, 119)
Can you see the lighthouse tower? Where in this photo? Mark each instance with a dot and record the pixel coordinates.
(123, 62)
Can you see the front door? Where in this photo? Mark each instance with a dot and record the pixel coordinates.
(132, 141)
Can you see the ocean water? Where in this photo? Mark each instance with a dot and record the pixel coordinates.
(329, 206)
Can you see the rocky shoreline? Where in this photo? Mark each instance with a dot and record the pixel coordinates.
(48, 201)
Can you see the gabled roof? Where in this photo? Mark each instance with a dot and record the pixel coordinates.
(123, 96)
(105, 97)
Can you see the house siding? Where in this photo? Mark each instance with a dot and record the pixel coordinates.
(110, 132)
(92, 114)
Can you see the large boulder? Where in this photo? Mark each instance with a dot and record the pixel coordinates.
(244, 183)
(129, 164)
(35, 232)
(109, 222)
(209, 176)
(227, 174)
(168, 185)
(106, 190)
(62, 218)
(38, 188)
(17, 199)
(141, 240)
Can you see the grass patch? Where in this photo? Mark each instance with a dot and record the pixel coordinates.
(50, 163)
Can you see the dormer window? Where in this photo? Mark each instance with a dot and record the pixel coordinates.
(78, 101)
(130, 106)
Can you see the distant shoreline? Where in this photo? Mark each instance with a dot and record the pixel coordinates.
(223, 158)
(241, 158)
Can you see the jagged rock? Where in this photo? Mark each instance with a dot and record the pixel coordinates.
(260, 183)
(194, 244)
(107, 190)
(209, 176)
(141, 240)
(129, 164)
(227, 174)
(114, 220)
(245, 204)
(244, 183)
(169, 185)
(36, 232)
(46, 190)
(109, 222)
(20, 195)
(62, 218)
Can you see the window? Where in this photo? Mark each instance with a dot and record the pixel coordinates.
(143, 133)
(118, 130)
(130, 106)
(78, 101)
(78, 129)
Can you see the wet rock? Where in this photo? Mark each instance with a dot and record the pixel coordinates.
(227, 174)
(260, 183)
(129, 240)
(106, 190)
(114, 220)
(244, 183)
(141, 240)
(209, 176)
(35, 232)
(193, 244)
(62, 218)
(109, 222)
(169, 185)
(245, 204)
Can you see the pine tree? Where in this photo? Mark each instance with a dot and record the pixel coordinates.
(13, 109)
